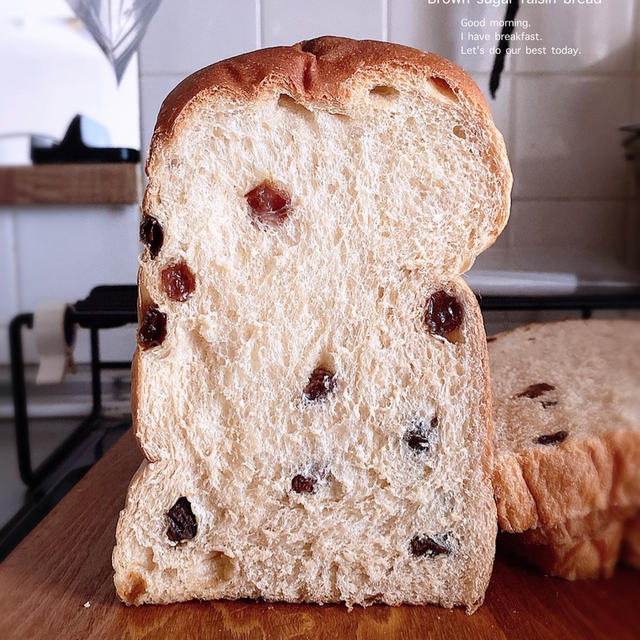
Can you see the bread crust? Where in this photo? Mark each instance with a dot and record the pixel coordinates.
(582, 558)
(577, 549)
(486, 405)
(324, 71)
(318, 70)
(538, 488)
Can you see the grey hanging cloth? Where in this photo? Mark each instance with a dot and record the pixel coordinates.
(116, 25)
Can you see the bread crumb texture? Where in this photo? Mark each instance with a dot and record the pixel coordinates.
(316, 431)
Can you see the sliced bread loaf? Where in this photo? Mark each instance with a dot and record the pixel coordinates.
(567, 435)
(310, 387)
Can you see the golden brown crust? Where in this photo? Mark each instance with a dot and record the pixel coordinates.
(323, 71)
(579, 548)
(574, 528)
(135, 391)
(485, 406)
(316, 70)
(130, 586)
(544, 486)
(585, 557)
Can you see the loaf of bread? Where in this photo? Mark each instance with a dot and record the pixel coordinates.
(310, 387)
(567, 434)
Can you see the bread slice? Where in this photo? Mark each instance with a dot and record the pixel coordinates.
(567, 435)
(311, 387)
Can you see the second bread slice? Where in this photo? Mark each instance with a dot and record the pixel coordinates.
(567, 433)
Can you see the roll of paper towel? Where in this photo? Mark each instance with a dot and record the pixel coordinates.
(55, 338)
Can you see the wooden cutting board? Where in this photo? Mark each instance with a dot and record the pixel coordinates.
(58, 584)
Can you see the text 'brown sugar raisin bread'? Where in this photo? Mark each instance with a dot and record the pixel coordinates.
(567, 434)
(310, 387)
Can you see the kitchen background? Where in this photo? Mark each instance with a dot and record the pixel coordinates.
(575, 219)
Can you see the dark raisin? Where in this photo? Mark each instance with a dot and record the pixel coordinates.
(535, 390)
(420, 437)
(268, 203)
(552, 438)
(178, 281)
(151, 234)
(182, 522)
(321, 382)
(443, 313)
(153, 329)
(548, 403)
(303, 484)
(429, 546)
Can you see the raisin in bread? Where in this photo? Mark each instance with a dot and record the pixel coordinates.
(567, 435)
(310, 386)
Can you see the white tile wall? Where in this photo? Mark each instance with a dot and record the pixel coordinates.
(635, 107)
(285, 22)
(578, 225)
(567, 143)
(62, 252)
(438, 28)
(603, 33)
(9, 298)
(153, 90)
(500, 105)
(186, 35)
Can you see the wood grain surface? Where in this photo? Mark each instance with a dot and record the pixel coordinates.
(91, 183)
(66, 562)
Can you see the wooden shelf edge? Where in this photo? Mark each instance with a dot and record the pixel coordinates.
(91, 183)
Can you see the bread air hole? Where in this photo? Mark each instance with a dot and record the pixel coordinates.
(288, 103)
(385, 92)
(443, 88)
(223, 565)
